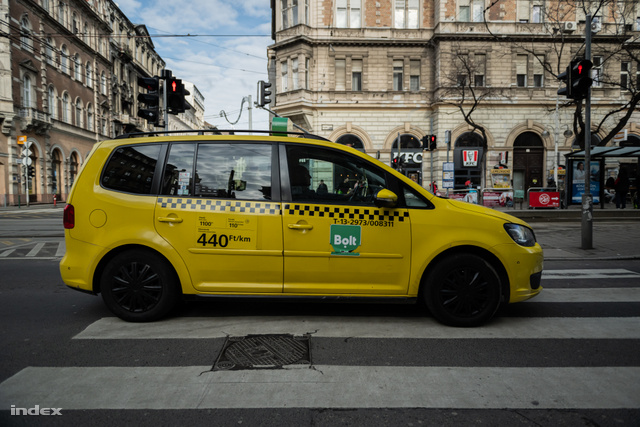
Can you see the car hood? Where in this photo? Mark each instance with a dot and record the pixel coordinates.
(470, 207)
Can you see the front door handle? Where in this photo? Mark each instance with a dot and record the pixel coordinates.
(301, 226)
(173, 220)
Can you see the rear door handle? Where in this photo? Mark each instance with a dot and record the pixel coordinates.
(301, 226)
(173, 220)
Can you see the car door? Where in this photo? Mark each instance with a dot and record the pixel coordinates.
(336, 241)
(216, 210)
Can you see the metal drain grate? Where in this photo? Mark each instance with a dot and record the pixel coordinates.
(263, 352)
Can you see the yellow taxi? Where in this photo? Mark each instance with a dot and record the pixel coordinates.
(152, 219)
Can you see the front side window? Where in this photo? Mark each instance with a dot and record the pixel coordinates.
(131, 169)
(233, 171)
(321, 175)
(178, 173)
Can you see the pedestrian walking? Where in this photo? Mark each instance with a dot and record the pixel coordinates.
(621, 186)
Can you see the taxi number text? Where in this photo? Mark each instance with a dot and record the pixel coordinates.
(372, 223)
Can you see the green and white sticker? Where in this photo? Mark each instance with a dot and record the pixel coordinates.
(345, 239)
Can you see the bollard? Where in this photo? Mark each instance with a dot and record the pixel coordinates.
(54, 200)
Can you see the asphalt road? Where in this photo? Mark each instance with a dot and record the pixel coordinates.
(570, 358)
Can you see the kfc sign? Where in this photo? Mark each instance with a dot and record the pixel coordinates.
(470, 158)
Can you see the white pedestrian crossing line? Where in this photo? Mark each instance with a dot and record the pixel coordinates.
(582, 295)
(578, 274)
(365, 327)
(196, 387)
(33, 252)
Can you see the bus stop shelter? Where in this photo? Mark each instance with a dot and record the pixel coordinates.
(595, 172)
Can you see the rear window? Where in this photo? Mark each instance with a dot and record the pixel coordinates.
(130, 169)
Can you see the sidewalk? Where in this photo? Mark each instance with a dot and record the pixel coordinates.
(615, 232)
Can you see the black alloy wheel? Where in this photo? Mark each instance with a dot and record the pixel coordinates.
(138, 286)
(463, 290)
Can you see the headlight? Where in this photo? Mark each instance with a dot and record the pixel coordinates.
(520, 234)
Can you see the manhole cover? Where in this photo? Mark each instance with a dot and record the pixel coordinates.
(263, 352)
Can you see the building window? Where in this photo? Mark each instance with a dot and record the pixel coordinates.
(414, 75)
(294, 73)
(348, 14)
(90, 117)
(103, 83)
(284, 76)
(463, 11)
(285, 14)
(26, 92)
(79, 113)
(306, 12)
(521, 70)
(64, 58)
(597, 71)
(294, 12)
(88, 74)
(25, 34)
(66, 105)
(77, 67)
(341, 74)
(289, 13)
(624, 74)
(51, 102)
(478, 10)
(356, 75)
(398, 75)
(61, 12)
(49, 51)
(406, 13)
(74, 24)
(536, 14)
(306, 73)
(479, 70)
(45, 5)
(538, 71)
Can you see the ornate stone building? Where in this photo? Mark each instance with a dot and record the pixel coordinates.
(68, 78)
(371, 73)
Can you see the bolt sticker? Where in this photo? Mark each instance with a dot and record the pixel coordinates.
(345, 239)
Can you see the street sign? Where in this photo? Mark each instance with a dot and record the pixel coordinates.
(26, 161)
(620, 136)
(448, 175)
(26, 153)
(22, 139)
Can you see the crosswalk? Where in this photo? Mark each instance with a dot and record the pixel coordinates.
(28, 248)
(588, 361)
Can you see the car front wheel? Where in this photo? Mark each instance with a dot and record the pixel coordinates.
(463, 290)
(139, 286)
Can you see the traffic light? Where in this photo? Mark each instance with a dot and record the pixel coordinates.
(397, 162)
(263, 93)
(31, 171)
(151, 99)
(176, 93)
(429, 142)
(566, 79)
(581, 78)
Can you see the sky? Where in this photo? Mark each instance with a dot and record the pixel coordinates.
(224, 69)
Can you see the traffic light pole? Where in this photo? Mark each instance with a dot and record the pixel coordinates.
(166, 76)
(587, 197)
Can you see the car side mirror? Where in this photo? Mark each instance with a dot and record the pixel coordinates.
(386, 199)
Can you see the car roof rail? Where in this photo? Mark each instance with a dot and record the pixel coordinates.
(221, 132)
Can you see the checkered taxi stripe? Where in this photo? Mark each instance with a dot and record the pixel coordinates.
(346, 213)
(213, 205)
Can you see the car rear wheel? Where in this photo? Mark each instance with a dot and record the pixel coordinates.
(139, 286)
(463, 290)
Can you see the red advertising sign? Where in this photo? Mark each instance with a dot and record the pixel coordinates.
(544, 199)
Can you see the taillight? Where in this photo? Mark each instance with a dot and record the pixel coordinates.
(69, 217)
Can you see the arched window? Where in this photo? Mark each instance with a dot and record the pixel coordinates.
(25, 34)
(79, 120)
(26, 91)
(351, 140)
(49, 51)
(66, 108)
(77, 67)
(88, 72)
(85, 33)
(64, 59)
(407, 141)
(51, 102)
(469, 139)
(90, 117)
(74, 24)
(632, 141)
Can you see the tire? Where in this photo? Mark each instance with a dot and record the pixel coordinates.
(463, 290)
(139, 286)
